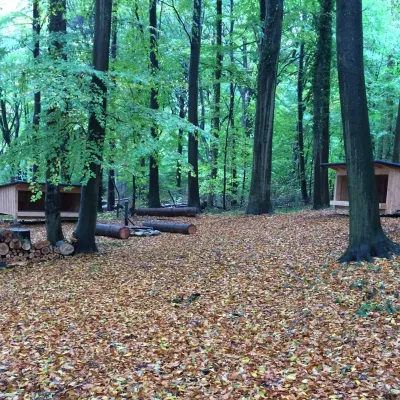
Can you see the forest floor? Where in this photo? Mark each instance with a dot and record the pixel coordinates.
(248, 308)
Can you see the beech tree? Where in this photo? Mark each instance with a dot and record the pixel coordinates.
(396, 146)
(57, 29)
(366, 237)
(260, 188)
(85, 230)
(321, 91)
(193, 144)
(154, 190)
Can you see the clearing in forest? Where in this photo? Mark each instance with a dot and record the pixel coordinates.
(248, 308)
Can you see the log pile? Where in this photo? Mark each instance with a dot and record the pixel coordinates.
(16, 248)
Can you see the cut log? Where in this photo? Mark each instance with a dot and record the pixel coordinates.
(15, 244)
(66, 249)
(45, 250)
(168, 212)
(37, 253)
(188, 229)
(113, 231)
(4, 249)
(43, 243)
(26, 244)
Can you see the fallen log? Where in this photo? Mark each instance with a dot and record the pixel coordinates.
(113, 231)
(171, 227)
(168, 212)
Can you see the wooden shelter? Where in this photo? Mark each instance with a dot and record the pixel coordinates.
(15, 200)
(387, 175)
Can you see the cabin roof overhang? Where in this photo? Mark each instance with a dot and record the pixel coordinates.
(377, 163)
(15, 183)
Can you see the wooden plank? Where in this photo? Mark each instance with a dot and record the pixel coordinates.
(382, 206)
(41, 214)
(7, 200)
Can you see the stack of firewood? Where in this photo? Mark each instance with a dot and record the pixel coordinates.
(16, 246)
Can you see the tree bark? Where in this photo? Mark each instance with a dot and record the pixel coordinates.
(300, 130)
(260, 188)
(154, 188)
(217, 103)
(396, 146)
(114, 49)
(321, 91)
(366, 239)
(182, 114)
(232, 88)
(193, 144)
(57, 28)
(85, 230)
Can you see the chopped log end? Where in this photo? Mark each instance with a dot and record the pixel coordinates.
(192, 229)
(4, 249)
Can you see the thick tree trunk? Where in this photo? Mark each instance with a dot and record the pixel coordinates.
(53, 217)
(193, 144)
(85, 230)
(154, 189)
(321, 90)
(366, 239)
(57, 28)
(300, 131)
(260, 188)
(396, 147)
(217, 103)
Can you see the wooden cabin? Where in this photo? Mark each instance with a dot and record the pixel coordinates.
(15, 200)
(387, 177)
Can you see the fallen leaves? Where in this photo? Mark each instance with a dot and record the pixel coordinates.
(248, 308)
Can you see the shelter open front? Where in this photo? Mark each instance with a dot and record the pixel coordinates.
(16, 200)
(387, 178)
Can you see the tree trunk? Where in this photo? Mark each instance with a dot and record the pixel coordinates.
(53, 217)
(245, 120)
(234, 185)
(154, 189)
(85, 230)
(260, 188)
(217, 103)
(321, 90)
(366, 239)
(182, 114)
(396, 147)
(193, 144)
(57, 28)
(114, 49)
(300, 131)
